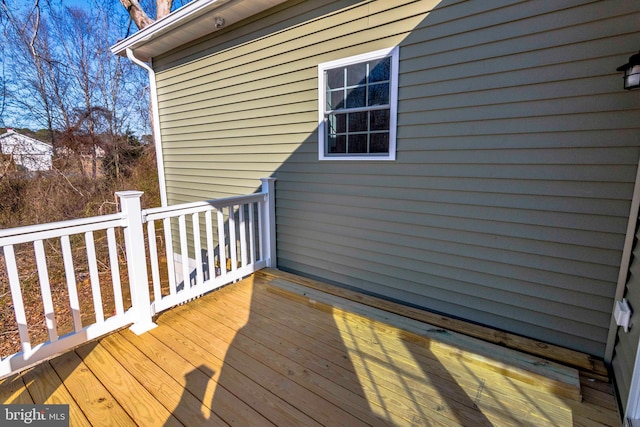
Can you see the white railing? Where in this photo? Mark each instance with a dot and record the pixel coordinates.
(206, 244)
(209, 244)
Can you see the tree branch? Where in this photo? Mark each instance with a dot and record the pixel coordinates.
(163, 8)
(137, 14)
(36, 27)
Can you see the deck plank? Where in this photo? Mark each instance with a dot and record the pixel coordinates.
(599, 407)
(384, 350)
(260, 371)
(245, 355)
(97, 404)
(198, 381)
(256, 395)
(14, 391)
(134, 398)
(516, 342)
(349, 395)
(319, 359)
(184, 406)
(533, 370)
(45, 387)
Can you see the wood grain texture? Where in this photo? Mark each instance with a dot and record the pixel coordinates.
(13, 391)
(559, 354)
(245, 355)
(45, 387)
(92, 397)
(139, 403)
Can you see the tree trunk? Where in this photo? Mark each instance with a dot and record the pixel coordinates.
(163, 8)
(137, 14)
(140, 17)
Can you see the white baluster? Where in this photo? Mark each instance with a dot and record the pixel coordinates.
(45, 290)
(16, 296)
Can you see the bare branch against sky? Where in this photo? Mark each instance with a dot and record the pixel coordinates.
(56, 63)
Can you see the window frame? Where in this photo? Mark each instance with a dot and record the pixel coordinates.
(393, 54)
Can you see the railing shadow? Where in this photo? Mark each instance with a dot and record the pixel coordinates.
(280, 381)
(322, 368)
(196, 387)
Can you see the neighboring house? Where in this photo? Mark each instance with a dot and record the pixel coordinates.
(84, 157)
(29, 153)
(475, 158)
(86, 154)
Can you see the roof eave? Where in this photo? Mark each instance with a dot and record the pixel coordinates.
(161, 36)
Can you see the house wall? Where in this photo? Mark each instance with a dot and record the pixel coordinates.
(517, 152)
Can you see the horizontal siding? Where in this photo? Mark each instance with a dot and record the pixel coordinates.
(366, 277)
(517, 152)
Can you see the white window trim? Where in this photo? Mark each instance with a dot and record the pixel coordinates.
(393, 102)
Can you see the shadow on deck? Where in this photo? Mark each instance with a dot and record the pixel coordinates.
(266, 351)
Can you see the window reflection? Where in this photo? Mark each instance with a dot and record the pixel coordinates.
(358, 87)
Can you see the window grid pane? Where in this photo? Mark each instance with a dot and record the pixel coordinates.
(358, 85)
(361, 132)
(357, 115)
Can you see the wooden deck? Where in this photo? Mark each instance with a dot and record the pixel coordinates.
(255, 353)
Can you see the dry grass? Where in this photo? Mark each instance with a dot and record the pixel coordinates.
(53, 197)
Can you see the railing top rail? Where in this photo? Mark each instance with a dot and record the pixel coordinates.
(201, 206)
(29, 232)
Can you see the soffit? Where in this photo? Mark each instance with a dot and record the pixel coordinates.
(192, 21)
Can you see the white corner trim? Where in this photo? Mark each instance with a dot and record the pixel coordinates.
(624, 266)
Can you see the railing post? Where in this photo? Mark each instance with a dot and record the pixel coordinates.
(269, 221)
(136, 261)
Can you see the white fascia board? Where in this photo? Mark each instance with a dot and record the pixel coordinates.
(192, 21)
(187, 12)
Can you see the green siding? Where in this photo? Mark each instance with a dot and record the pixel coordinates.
(517, 152)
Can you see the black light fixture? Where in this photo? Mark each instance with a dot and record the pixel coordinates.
(631, 72)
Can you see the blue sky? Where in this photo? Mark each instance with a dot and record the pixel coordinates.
(78, 3)
(18, 112)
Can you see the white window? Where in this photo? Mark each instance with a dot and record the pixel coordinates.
(357, 107)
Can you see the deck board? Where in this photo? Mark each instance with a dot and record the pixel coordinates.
(91, 396)
(245, 355)
(266, 368)
(13, 390)
(346, 396)
(254, 394)
(320, 359)
(528, 345)
(135, 398)
(45, 386)
(561, 379)
(197, 381)
(379, 347)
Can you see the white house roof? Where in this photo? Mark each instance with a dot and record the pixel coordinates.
(10, 133)
(194, 20)
(32, 154)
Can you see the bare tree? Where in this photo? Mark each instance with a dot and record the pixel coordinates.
(84, 49)
(39, 87)
(66, 79)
